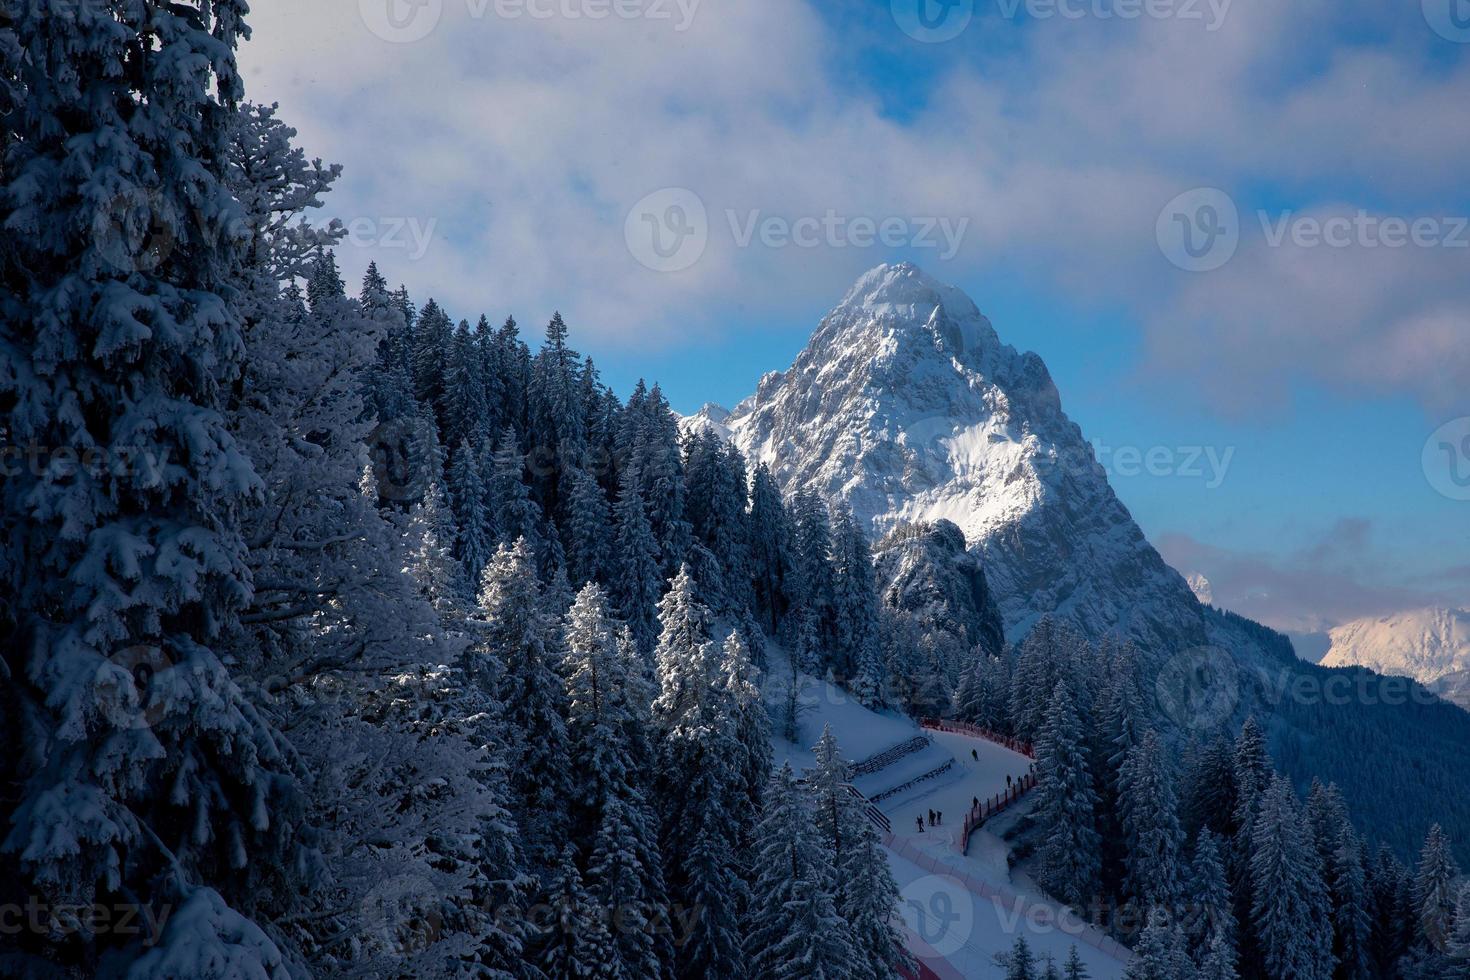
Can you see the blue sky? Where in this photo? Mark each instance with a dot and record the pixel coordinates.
(521, 140)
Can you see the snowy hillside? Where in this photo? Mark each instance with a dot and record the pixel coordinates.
(959, 910)
(906, 404)
(1428, 645)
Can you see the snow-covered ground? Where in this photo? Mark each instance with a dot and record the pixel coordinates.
(960, 910)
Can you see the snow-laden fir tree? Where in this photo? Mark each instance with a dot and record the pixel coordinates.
(144, 776)
(575, 943)
(1073, 969)
(1339, 853)
(532, 699)
(1066, 805)
(431, 559)
(1160, 954)
(770, 550)
(1020, 962)
(474, 542)
(865, 892)
(1289, 914)
(795, 930)
(1154, 840)
(635, 564)
(702, 792)
(432, 337)
(586, 522)
(1435, 889)
(1211, 911)
(515, 514)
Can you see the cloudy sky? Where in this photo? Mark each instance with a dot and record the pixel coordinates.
(1233, 228)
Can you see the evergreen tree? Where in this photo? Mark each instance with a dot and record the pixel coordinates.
(1288, 914)
(1212, 912)
(635, 564)
(578, 945)
(1020, 963)
(1435, 889)
(1073, 968)
(855, 609)
(534, 703)
(516, 514)
(795, 931)
(1151, 826)
(474, 545)
(585, 529)
(1160, 953)
(465, 403)
(770, 550)
(1065, 808)
(432, 338)
(865, 893)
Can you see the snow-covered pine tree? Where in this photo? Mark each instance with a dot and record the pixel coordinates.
(795, 931)
(855, 609)
(1289, 906)
(466, 406)
(431, 340)
(1020, 962)
(815, 586)
(1218, 962)
(635, 564)
(431, 559)
(516, 515)
(1339, 853)
(532, 699)
(703, 797)
(770, 550)
(1208, 797)
(1150, 825)
(585, 523)
(1160, 953)
(1073, 969)
(1211, 910)
(865, 892)
(751, 726)
(1391, 888)
(118, 329)
(576, 944)
(1066, 805)
(472, 522)
(1435, 889)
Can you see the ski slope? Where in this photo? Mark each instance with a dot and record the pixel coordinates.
(959, 910)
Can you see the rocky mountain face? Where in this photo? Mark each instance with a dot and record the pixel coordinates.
(926, 571)
(1430, 645)
(907, 405)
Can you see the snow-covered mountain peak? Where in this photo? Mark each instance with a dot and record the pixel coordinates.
(906, 405)
(1425, 644)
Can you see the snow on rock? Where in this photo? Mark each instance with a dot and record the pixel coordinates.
(906, 404)
(926, 571)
